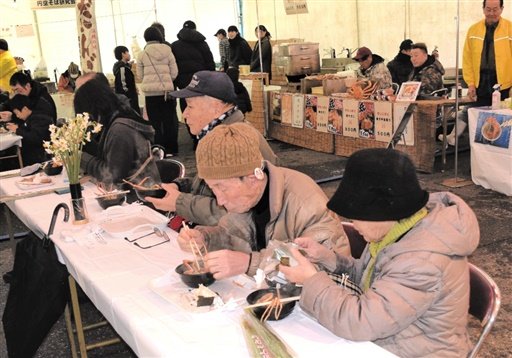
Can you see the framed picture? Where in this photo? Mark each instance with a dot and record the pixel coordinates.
(408, 91)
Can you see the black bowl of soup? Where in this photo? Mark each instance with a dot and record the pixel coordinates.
(192, 278)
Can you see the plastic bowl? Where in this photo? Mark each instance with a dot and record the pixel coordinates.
(155, 193)
(111, 200)
(50, 170)
(258, 311)
(193, 281)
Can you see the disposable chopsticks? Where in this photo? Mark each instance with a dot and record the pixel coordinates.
(282, 300)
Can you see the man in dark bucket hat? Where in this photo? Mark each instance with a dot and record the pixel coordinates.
(411, 283)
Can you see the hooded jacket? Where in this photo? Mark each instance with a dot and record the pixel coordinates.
(400, 68)
(196, 201)
(239, 52)
(418, 300)
(192, 54)
(156, 68)
(472, 54)
(123, 148)
(297, 208)
(430, 74)
(377, 72)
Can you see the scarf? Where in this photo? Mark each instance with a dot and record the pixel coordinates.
(216, 122)
(396, 232)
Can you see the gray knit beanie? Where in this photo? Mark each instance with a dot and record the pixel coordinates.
(229, 151)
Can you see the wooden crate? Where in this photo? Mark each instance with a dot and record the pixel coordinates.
(423, 151)
(306, 138)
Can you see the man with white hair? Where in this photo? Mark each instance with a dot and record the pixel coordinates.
(211, 101)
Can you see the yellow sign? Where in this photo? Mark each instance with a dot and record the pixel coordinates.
(52, 4)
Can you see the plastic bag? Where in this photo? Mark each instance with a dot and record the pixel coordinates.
(277, 253)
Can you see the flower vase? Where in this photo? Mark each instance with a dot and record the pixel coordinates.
(80, 215)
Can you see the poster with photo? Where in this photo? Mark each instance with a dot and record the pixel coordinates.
(286, 109)
(350, 121)
(493, 129)
(276, 106)
(322, 113)
(335, 121)
(383, 121)
(310, 111)
(366, 118)
(408, 134)
(408, 91)
(298, 110)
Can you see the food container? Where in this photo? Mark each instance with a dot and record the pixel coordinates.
(50, 169)
(258, 311)
(111, 199)
(194, 280)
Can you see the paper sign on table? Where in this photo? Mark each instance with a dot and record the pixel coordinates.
(350, 122)
(407, 137)
(366, 118)
(286, 109)
(383, 121)
(335, 120)
(298, 111)
(310, 112)
(322, 117)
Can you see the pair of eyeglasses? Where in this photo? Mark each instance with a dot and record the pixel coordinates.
(361, 59)
(166, 239)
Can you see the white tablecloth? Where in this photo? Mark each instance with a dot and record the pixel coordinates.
(116, 276)
(491, 161)
(7, 140)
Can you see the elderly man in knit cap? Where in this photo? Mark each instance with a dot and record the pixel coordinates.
(211, 101)
(264, 203)
(410, 289)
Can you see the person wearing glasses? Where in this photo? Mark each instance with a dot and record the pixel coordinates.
(486, 61)
(373, 68)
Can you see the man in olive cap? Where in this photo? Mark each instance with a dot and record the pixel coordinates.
(413, 273)
(264, 203)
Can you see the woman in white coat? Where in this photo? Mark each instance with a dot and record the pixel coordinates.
(156, 68)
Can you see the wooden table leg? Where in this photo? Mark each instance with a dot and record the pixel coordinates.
(78, 317)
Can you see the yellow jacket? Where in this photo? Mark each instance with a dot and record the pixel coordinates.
(7, 69)
(502, 52)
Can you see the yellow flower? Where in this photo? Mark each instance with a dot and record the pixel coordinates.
(66, 142)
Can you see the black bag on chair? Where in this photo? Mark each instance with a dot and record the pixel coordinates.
(38, 294)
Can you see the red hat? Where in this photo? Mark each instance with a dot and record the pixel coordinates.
(362, 52)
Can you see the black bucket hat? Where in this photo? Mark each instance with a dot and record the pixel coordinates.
(378, 185)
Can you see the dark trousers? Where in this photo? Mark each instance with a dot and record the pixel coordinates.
(162, 116)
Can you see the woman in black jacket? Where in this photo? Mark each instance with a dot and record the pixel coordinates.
(266, 52)
(122, 150)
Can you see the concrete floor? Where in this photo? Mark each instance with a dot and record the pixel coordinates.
(493, 210)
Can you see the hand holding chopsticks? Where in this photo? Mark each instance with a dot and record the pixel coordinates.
(187, 235)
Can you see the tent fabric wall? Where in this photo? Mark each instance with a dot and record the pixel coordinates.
(378, 24)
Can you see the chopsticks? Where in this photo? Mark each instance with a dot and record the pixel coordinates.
(194, 248)
(112, 194)
(30, 194)
(282, 300)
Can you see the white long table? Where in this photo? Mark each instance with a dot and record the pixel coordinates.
(116, 276)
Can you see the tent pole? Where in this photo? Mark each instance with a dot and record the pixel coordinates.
(38, 36)
(455, 182)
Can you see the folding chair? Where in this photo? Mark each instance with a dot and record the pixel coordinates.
(357, 242)
(484, 303)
